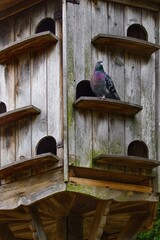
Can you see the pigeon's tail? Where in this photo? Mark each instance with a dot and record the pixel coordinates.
(116, 96)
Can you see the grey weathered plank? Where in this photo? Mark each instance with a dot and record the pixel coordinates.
(17, 114)
(27, 163)
(132, 80)
(39, 81)
(33, 43)
(107, 105)
(122, 160)
(136, 46)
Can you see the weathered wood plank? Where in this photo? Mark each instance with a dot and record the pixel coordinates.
(151, 5)
(124, 160)
(54, 79)
(148, 97)
(99, 220)
(41, 235)
(61, 229)
(108, 105)
(35, 42)
(116, 71)
(132, 227)
(22, 87)
(9, 8)
(132, 80)
(35, 188)
(39, 81)
(24, 164)
(108, 175)
(82, 68)
(112, 185)
(99, 118)
(75, 227)
(136, 46)
(6, 233)
(8, 96)
(17, 114)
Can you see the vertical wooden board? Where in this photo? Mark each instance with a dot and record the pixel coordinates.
(38, 82)
(71, 80)
(7, 70)
(23, 88)
(82, 33)
(82, 56)
(100, 133)
(116, 72)
(54, 78)
(99, 18)
(115, 15)
(99, 25)
(8, 145)
(100, 120)
(148, 87)
(132, 77)
(157, 106)
(116, 134)
(8, 96)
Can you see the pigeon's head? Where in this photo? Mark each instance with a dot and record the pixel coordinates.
(99, 66)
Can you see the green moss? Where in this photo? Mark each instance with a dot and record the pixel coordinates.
(71, 82)
(88, 190)
(116, 148)
(87, 63)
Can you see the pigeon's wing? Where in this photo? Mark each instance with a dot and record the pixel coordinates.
(109, 84)
(111, 87)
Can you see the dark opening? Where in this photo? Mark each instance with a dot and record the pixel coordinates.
(46, 145)
(137, 31)
(3, 107)
(47, 24)
(83, 89)
(138, 148)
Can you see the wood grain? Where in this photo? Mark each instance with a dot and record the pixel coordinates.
(33, 43)
(17, 114)
(108, 105)
(133, 45)
(122, 160)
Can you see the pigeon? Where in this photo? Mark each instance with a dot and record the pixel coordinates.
(101, 83)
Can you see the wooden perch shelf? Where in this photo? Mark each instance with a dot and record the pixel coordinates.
(126, 161)
(10, 7)
(17, 114)
(108, 175)
(10, 169)
(133, 45)
(108, 105)
(32, 43)
(118, 181)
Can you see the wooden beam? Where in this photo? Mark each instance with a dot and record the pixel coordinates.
(6, 233)
(61, 229)
(112, 185)
(34, 188)
(75, 227)
(99, 220)
(151, 5)
(132, 227)
(36, 225)
(8, 8)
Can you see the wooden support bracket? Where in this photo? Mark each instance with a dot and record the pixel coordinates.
(99, 221)
(132, 227)
(6, 233)
(36, 223)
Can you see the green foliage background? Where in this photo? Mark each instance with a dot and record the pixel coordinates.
(154, 233)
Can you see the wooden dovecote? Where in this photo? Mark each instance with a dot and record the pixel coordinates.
(73, 166)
